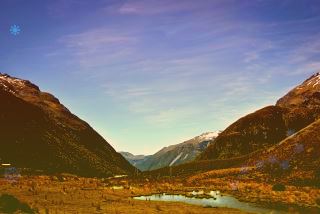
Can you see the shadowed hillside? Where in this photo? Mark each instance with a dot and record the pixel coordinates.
(295, 159)
(38, 132)
(258, 130)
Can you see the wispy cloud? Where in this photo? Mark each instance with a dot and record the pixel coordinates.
(171, 64)
(151, 7)
(98, 47)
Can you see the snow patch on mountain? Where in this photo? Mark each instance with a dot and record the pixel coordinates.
(177, 158)
(209, 135)
(185, 156)
(314, 80)
(6, 79)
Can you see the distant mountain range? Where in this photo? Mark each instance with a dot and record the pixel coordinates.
(38, 132)
(135, 160)
(172, 155)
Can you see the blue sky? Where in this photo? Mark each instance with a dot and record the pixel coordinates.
(150, 73)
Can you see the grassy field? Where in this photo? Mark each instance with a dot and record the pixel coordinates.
(70, 194)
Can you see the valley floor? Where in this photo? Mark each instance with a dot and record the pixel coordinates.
(50, 194)
(71, 194)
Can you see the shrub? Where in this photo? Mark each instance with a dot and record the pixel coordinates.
(276, 169)
(278, 187)
(9, 204)
(318, 201)
(317, 178)
(158, 207)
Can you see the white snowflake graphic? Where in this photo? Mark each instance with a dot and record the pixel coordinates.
(15, 30)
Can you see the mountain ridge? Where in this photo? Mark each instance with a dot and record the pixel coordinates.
(269, 125)
(173, 154)
(36, 126)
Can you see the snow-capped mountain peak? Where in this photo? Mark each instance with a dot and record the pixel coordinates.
(8, 82)
(313, 81)
(209, 135)
(175, 154)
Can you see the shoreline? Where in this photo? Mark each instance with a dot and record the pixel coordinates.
(277, 206)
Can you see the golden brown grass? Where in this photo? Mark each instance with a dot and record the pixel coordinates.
(50, 194)
(88, 195)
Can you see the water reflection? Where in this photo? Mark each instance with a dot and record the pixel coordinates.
(216, 200)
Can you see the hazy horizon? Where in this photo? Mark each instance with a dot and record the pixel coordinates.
(149, 74)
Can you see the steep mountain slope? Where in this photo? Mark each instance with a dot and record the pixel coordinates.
(177, 154)
(38, 132)
(134, 159)
(254, 131)
(296, 158)
(302, 103)
(270, 125)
